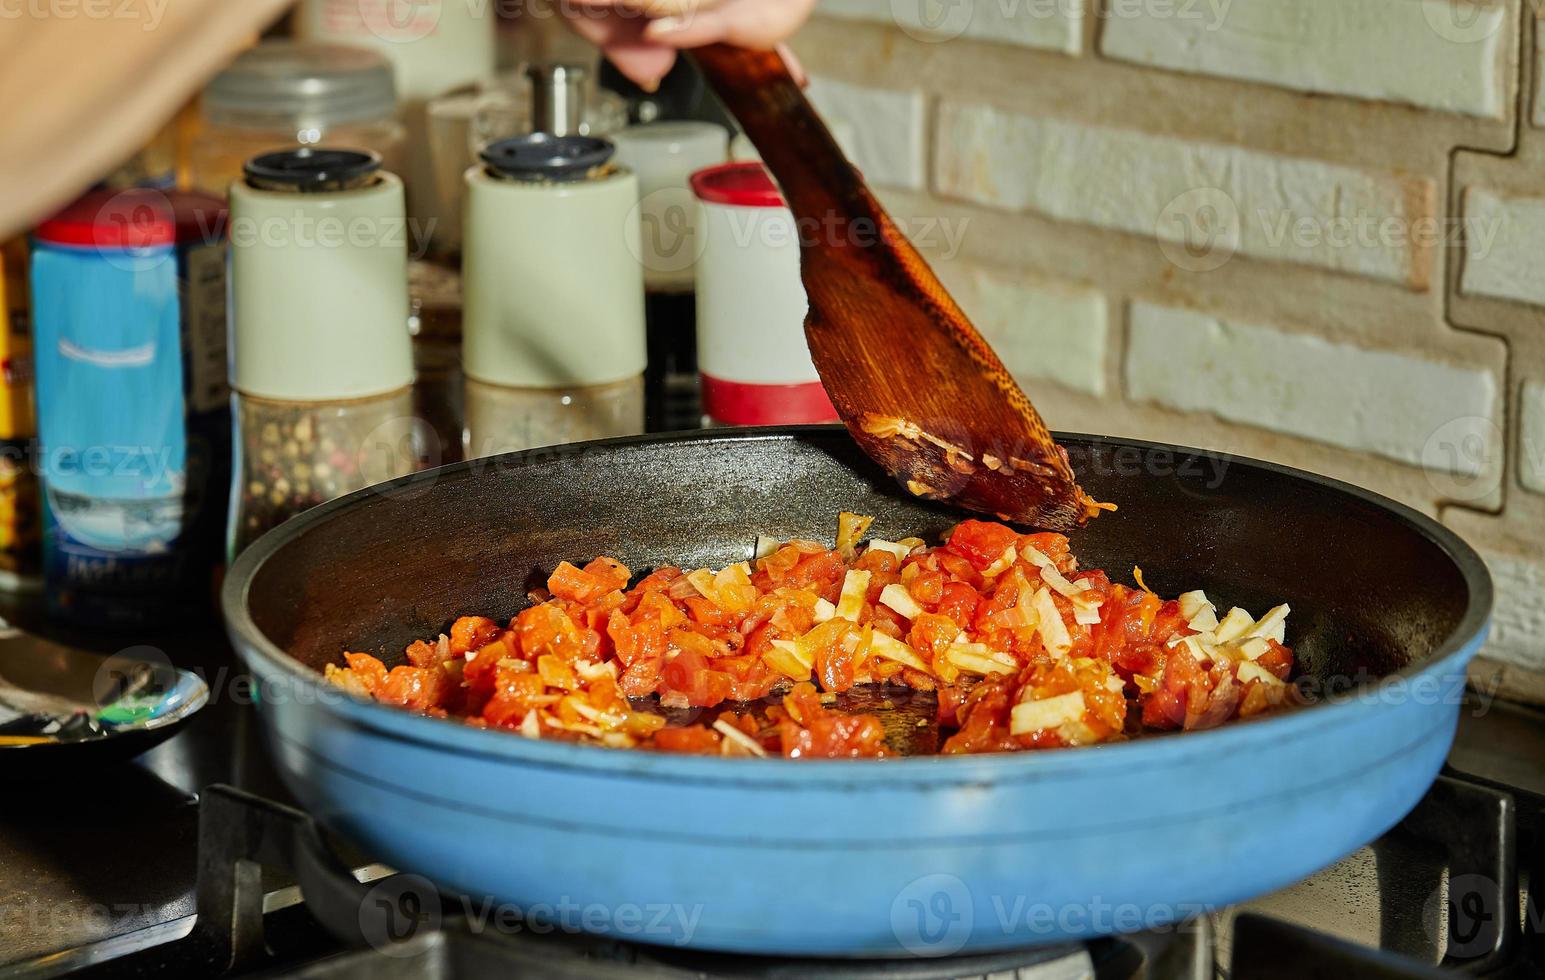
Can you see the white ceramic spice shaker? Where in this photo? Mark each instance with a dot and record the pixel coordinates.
(664, 156)
(553, 315)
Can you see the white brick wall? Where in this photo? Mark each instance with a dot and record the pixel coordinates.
(1531, 437)
(1439, 54)
(1539, 80)
(1504, 246)
(1053, 24)
(1377, 401)
(881, 131)
(1518, 620)
(1286, 208)
(1042, 330)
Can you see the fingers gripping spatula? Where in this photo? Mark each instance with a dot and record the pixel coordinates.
(916, 385)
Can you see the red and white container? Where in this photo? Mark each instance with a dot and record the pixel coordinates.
(751, 350)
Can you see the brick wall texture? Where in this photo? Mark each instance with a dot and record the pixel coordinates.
(1312, 232)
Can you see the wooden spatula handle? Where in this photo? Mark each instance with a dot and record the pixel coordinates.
(814, 175)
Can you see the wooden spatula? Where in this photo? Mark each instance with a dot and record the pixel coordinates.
(916, 385)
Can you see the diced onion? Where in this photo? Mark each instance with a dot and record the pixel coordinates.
(682, 588)
(1192, 604)
(765, 546)
(736, 574)
(1015, 617)
(824, 611)
(896, 548)
(1004, 563)
(1272, 626)
(1035, 556)
(594, 671)
(1252, 647)
(896, 597)
(855, 586)
(1234, 625)
(893, 649)
(1059, 584)
(590, 730)
(531, 725)
(596, 715)
(703, 581)
(1035, 716)
(1054, 632)
(1201, 649)
(1077, 733)
(1250, 671)
(975, 658)
(789, 659)
(1204, 621)
(739, 737)
(850, 530)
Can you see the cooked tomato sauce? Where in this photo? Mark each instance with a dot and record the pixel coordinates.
(1024, 650)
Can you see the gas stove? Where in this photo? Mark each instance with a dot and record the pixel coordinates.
(1447, 891)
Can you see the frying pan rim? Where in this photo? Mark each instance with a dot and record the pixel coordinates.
(400, 725)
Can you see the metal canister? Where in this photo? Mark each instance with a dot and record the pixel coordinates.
(128, 294)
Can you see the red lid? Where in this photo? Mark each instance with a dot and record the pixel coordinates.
(745, 183)
(136, 218)
(199, 217)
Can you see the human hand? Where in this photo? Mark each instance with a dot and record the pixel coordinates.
(641, 37)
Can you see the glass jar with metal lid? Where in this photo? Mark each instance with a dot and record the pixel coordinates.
(287, 93)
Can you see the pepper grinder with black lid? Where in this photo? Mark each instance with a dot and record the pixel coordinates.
(553, 318)
(321, 361)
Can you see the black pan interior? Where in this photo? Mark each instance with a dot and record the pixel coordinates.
(1370, 592)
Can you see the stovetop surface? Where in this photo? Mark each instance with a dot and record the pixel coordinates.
(96, 866)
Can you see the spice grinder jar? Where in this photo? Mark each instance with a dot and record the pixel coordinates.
(322, 364)
(553, 316)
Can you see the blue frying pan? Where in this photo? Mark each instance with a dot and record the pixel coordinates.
(913, 856)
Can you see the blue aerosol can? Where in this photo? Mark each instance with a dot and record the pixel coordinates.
(129, 306)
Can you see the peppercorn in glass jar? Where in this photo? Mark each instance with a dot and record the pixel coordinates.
(322, 373)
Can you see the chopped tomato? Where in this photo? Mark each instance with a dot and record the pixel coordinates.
(592, 659)
(958, 601)
(689, 675)
(981, 542)
(690, 738)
